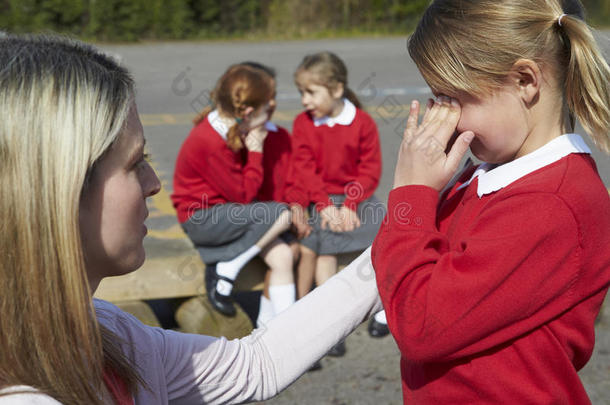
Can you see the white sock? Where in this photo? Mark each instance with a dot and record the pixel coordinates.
(380, 317)
(232, 268)
(282, 296)
(265, 312)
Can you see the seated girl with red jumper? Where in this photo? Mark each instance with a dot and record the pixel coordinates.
(220, 171)
(491, 287)
(337, 159)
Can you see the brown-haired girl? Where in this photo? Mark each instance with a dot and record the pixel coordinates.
(492, 287)
(219, 173)
(337, 159)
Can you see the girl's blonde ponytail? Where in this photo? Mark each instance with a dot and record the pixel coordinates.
(587, 78)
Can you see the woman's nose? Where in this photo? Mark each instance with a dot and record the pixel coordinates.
(153, 185)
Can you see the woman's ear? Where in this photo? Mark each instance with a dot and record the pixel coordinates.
(527, 76)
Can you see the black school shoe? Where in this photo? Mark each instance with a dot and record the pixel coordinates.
(378, 329)
(337, 350)
(222, 303)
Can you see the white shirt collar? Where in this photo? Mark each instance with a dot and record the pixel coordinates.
(493, 178)
(222, 128)
(345, 117)
(218, 124)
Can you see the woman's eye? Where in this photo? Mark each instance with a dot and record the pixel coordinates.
(145, 158)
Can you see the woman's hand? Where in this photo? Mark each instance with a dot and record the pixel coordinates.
(255, 139)
(299, 221)
(331, 218)
(422, 158)
(350, 219)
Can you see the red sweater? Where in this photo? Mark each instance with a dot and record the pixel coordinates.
(343, 159)
(277, 166)
(493, 299)
(208, 172)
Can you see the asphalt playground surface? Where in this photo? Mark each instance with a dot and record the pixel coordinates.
(174, 80)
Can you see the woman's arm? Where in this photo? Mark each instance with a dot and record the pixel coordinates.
(188, 368)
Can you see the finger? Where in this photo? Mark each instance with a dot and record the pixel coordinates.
(442, 106)
(324, 223)
(437, 128)
(451, 141)
(411, 121)
(354, 221)
(457, 152)
(349, 226)
(429, 106)
(437, 134)
(347, 221)
(433, 114)
(341, 223)
(450, 121)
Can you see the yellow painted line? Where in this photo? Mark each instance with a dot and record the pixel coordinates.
(161, 206)
(156, 213)
(151, 120)
(163, 203)
(173, 232)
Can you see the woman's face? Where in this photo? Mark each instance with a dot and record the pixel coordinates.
(113, 206)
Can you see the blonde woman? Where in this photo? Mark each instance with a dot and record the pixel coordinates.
(74, 182)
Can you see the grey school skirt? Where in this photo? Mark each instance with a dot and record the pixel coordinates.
(224, 231)
(326, 242)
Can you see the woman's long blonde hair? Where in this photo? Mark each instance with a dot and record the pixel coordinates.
(62, 104)
(471, 45)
